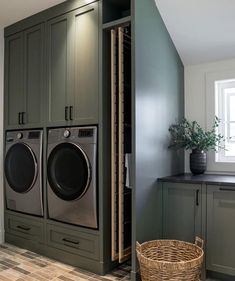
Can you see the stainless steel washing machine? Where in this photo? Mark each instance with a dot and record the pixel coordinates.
(71, 175)
(23, 171)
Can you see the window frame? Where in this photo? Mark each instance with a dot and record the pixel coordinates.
(223, 165)
(222, 107)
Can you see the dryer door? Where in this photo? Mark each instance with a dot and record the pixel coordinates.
(20, 167)
(68, 171)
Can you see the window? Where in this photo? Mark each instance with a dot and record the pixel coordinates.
(225, 110)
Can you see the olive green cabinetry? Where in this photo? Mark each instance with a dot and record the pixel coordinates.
(203, 206)
(182, 210)
(73, 61)
(24, 81)
(220, 246)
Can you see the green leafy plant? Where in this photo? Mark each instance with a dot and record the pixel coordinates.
(190, 135)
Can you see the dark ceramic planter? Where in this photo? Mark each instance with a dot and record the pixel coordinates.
(198, 162)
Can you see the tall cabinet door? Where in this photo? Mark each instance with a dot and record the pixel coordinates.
(86, 64)
(59, 64)
(14, 92)
(33, 72)
(182, 211)
(220, 246)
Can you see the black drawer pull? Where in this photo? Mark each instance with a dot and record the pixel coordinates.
(23, 227)
(70, 241)
(227, 189)
(197, 197)
(66, 113)
(71, 113)
(22, 119)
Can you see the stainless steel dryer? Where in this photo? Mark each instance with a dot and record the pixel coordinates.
(23, 174)
(71, 175)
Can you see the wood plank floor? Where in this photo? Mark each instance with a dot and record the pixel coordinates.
(18, 264)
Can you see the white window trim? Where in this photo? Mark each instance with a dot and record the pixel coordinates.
(220, 104)
(210, 79)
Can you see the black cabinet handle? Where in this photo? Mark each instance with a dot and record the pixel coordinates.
(197, 197)
(71, 113)
(22, 118)
(66, 113)
(23, 227)
(227, 189)
(19, 118)
(70, 241)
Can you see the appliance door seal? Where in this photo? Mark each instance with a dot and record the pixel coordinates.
(68, 171)
(21, 168)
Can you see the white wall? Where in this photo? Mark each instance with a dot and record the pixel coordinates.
(196, 97)
(1, 133)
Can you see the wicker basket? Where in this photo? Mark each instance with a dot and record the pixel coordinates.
(170, 260)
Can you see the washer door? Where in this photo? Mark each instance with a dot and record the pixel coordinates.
(20, 167)
(68, 171)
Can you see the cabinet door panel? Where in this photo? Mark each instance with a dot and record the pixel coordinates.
(58, 56)
(181, 211)
(14, 79)
(220, 230)
(86, 65)
(34, 74)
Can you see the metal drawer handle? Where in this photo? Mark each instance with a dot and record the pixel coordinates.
(70, 241)
(226, 189)
(23, 115)
(23, 227)
(197, 197)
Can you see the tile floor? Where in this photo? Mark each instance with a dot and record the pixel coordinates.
(22, 265)
(18, 264)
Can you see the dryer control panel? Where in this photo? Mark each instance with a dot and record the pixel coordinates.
(83, 135)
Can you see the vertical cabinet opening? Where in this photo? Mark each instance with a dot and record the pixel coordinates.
(119, 38)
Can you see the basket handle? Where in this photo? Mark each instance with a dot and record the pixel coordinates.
(199, 242)
(138, 247)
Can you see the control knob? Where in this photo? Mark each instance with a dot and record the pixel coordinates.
(19, 136)
(67, 133)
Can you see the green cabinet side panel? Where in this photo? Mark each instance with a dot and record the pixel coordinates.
(220, 247)
(58, 56)
(34, 49)
(158, 102)
(86, 58)
(181, 211)
(14, 93)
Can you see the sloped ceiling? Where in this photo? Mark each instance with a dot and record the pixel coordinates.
(202, 30)
(12, 11)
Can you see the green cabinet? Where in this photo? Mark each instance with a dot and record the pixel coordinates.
(182, 211)
(220, 246)
(25, 227)
(73, 53)
(24, 78)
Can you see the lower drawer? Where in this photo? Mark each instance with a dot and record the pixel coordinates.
(26, 228)
(76, 242)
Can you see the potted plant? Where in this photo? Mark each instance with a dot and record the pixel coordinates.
(190, 136)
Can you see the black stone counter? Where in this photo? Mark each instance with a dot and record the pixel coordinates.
(201, 179)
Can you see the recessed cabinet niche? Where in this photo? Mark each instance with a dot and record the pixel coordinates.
(24, 78)
(73, 60)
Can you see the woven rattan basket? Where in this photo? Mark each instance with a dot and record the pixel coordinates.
(170, 260)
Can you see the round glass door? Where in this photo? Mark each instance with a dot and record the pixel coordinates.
(20, 168)
(68, 171)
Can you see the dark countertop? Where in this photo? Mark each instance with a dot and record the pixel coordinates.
(212, 179)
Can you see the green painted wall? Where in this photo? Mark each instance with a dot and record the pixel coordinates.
(158, 102)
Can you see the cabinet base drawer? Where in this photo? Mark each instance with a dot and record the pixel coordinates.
(26, 228)
(75, 242)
